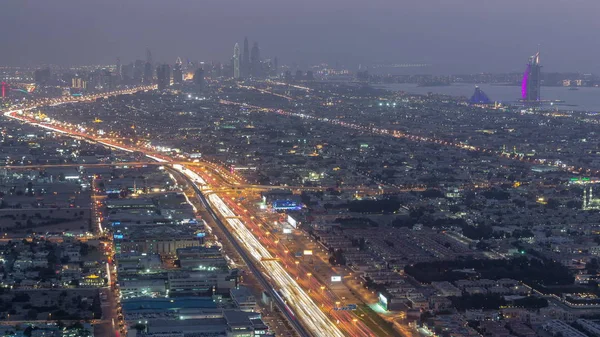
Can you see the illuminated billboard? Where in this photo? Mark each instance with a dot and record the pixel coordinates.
(308, 252)
(383, 301)
(292, 221)
(287, 231)
(336, 279)
(288, 205)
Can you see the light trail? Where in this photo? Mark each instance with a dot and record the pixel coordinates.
(399, 134)
(304, 307)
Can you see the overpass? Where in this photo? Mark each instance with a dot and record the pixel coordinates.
(257, 273)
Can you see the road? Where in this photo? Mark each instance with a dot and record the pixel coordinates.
(422, 139)
(302, 311)
(28, 167)
(249, 262)
(288, 294)
(109, 295)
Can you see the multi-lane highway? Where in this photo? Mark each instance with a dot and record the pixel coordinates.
(302, 312)
(249, 262)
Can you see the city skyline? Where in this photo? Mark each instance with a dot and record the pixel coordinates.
(408, 169)
(388, 33)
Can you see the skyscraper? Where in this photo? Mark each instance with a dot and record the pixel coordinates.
(245, 64)
(118, 69)
(148, 68)
(199, 81)
(4, 89)
(148, 73)
(236, 62)
(255, 61)
(163, 75)
(530, 89)
(138, 71)
(178, 71)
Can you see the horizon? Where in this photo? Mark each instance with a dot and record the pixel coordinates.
(433, 33)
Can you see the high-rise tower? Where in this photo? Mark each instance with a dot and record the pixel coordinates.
(532, 78)
(4, 89)
(236, 61)
(148, 56)
(255, 61)
(148, 70)
(245, 64)
(163, 76)
(178, 71)
(118, 70)
(199, 80)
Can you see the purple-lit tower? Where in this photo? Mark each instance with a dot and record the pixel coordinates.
(532, 78)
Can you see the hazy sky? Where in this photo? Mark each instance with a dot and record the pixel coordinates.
(454, 35)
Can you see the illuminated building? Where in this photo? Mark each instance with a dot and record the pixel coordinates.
(236, 61)
(4, 89)
(388, 302)
(589, 203)
(78, 83)
(199, 81)
(530, 89)
(163, 75)
(479, 97)
(178, 72)
(138, 71)
(148, 73)
(280, 200)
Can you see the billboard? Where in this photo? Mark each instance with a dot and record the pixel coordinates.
(287, 231)
(289, 205)
(383, 301)
(336, 279)
(292, 221)
(308, 252)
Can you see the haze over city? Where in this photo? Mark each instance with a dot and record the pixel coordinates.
(455, 36)
(237, 168)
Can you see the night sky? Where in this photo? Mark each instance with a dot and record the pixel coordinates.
(454, 35)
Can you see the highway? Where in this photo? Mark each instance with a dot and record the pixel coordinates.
(303, 313)
(288, 292)
(251, 265)
(306, 317)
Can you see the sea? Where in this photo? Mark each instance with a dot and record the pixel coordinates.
(582, 99)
